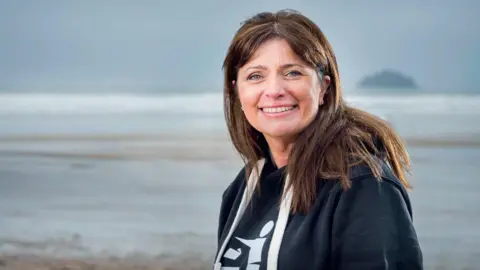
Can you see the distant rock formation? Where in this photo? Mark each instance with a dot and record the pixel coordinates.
(388, 79)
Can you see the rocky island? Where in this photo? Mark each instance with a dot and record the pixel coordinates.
(388, 80)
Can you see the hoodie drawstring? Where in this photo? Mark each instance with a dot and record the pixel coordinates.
(281, 224)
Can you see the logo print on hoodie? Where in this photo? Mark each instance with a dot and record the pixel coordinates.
(254, 247)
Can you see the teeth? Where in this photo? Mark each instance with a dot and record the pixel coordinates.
(277, 109)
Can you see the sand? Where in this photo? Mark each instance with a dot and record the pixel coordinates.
(445, 195)
(30, 262)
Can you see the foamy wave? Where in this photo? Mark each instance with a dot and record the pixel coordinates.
(211, 103)
(109, 104)
(419, 104)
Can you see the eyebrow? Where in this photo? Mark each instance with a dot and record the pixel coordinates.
(289, 65)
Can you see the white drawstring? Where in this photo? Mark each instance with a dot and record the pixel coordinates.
(281, 224)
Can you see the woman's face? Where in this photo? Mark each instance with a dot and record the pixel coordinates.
(279, 93)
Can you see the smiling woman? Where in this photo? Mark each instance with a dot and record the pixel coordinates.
(280, 93)
(324, 184)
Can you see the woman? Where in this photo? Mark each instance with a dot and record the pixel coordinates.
(324, 184)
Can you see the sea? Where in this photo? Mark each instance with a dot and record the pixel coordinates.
(117, 174)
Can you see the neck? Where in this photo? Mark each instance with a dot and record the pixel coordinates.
(279, 151)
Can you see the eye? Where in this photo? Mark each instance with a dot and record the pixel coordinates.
(293, 73)
(254, 76)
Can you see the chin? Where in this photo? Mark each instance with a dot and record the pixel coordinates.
(287, 132)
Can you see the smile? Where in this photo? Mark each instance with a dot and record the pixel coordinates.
(281, 109)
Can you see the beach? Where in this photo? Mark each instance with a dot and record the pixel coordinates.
(141, 190)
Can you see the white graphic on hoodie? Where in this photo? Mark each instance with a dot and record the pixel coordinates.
(255, 249)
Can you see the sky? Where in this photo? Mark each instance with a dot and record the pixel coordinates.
(118, 44)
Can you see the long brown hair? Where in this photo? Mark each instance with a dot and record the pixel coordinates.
(338, 138)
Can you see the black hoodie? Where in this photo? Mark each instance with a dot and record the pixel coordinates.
(369, 226)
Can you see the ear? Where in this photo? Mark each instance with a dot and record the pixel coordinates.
(324, 84)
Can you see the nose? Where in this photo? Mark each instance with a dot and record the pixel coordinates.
(274, 88)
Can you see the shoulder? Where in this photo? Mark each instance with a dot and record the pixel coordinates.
(362, 174)
(376, 211)
(235, 186)
(234, 191)
(367, 191)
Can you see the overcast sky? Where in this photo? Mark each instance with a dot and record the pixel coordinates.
(181, 44)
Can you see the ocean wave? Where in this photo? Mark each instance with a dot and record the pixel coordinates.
(109, 104)
(212, 103)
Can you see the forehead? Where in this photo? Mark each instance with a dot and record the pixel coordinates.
(274, 52)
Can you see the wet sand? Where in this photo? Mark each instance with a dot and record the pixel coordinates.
(148, 202)
(166, 146)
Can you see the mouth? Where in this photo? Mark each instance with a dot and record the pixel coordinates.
(278, 109)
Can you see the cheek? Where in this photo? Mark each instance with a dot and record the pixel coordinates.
(307, 95)
(248, 97)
